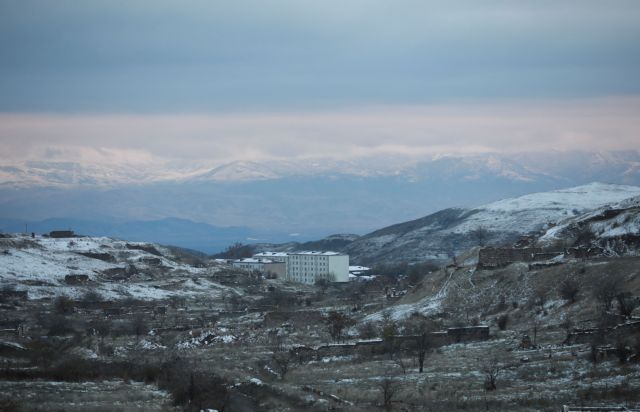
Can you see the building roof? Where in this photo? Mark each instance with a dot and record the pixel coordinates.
(317, 253)
(271, 254)
(252, 260)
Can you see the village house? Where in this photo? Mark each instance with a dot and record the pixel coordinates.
(61, 234)
(266, 266)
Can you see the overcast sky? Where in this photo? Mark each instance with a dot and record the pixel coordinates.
(263, 79)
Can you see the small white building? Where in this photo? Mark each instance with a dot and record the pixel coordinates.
(275, 256)
(359, 270)
(261, 265)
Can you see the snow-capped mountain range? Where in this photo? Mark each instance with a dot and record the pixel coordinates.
(310, 197)
(623, 167)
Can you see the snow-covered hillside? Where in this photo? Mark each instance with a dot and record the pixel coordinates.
(531, 212)
(444, 233)
(116, 269)
(606, 224)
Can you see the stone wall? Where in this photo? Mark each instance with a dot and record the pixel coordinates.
(582, 336)
(375, 347)
(491, 257)
(297, 318)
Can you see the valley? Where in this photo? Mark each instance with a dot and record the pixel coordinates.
(117, 325)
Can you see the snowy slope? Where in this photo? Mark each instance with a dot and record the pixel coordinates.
(40, 265)
(605, 223)
(450, 231)
(531, 212)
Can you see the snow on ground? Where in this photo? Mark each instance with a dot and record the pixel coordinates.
(530, 212)
(626, 222)
(39, 265)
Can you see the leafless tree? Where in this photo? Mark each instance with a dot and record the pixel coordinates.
(102, 328)
(569, 289)
(63, 305)
(281, 361)
(422, 341)
(567, 325)
(337, 322)
(323, 285)
(481, 235)
(584, 236)
(491, 369)
(139, 326)
(389, 388)
(367, 330)
(606, 288)
(626, 304)
(540, 296)
(388, 331)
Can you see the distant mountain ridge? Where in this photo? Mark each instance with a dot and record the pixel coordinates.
(449, 232)
(171, 231)
(312, 197)
(615, 167)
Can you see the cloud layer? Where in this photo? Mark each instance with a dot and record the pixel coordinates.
(515, 126)
(167, 56)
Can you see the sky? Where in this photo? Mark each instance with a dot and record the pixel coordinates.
(137, 81)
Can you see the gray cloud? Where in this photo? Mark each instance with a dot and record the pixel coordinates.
(166, 56)
(509, 126)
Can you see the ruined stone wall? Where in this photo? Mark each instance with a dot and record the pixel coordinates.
(582, 336)
(400, 342)
(468, 334)
(491, 257)
(297, 318)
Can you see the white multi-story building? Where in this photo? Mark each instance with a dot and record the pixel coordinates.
(308, 267)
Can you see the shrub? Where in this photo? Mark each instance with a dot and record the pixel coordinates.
(569, 289)
(502, 321)
(63, 305)
(60, 326)
(9, 405)
(367, 330)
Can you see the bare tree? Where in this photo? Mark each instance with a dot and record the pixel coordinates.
(63, 305)
(481, 235)
(102, 328)
(569, 289)
(540, 296)
(337, 322)
(388, 389)
(491, 369)
(281, 361)
(422, 342)
(236, 251)
(606, 288)
(626, 304)
(388, 332)
(584, 236)
(323, 285)
(367, 330)
(139, 326)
